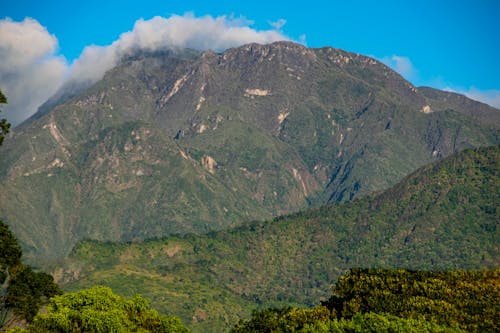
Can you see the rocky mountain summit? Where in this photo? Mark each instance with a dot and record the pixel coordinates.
(188, 142)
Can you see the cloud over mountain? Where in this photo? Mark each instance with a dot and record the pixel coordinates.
(402, 65)
(32, 68)
(187, 31)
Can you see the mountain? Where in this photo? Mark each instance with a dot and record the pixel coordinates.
(445, 216)
(178, 142)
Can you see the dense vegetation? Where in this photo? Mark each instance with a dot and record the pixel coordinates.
(99, 310)
(376, 300)
(22, 291)
(467, 299)
(443, 217)
(4, 124)
(319, 320)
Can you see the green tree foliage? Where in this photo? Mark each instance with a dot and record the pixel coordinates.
(283, 320)
(377, 300)
(22, 291)
(10, 251)
(318, 320)
(469, 300)
(28, 291)
(97, 310)
(10, 256)
(4, 125)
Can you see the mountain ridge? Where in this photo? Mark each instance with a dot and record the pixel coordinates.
(168, 144)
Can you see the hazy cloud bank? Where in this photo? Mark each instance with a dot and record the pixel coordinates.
(31, 71)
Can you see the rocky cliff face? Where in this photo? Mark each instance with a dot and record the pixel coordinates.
(178, 142)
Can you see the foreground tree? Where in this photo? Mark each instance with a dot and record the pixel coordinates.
(97, 310)
(319, 320)
(22, 291)
(466, 299)
(4, 125)
(389, 300)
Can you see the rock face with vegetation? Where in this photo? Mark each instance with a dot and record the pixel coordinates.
(180, 142)
(442, 217)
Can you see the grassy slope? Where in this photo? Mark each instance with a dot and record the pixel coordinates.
(444, 216)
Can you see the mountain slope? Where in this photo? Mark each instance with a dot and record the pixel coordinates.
(444, 216)
(176, 142)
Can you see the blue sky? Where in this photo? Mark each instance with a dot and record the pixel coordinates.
(445, 44)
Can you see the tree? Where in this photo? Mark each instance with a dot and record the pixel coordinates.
(10, 257)
(318, 320)
(465, 299)
(98, 309)
(28, 291)
(4, 125)
(10, 251)
(391, 300)
(22, 291)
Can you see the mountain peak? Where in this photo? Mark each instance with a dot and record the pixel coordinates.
(280, 53)
(250, 133)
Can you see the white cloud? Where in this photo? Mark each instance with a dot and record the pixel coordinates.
(303, 39)
(30, 70)
(402, 65)
(278, 24)
(490, 97)
(187, 31)
(199, 33)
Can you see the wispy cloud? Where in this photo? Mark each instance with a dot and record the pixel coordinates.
(278, 24)
(402, 65)
(31, 71)
(490, 96)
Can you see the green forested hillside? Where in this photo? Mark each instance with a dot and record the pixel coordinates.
(443, 217)
(178, 142)
(378, 300)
